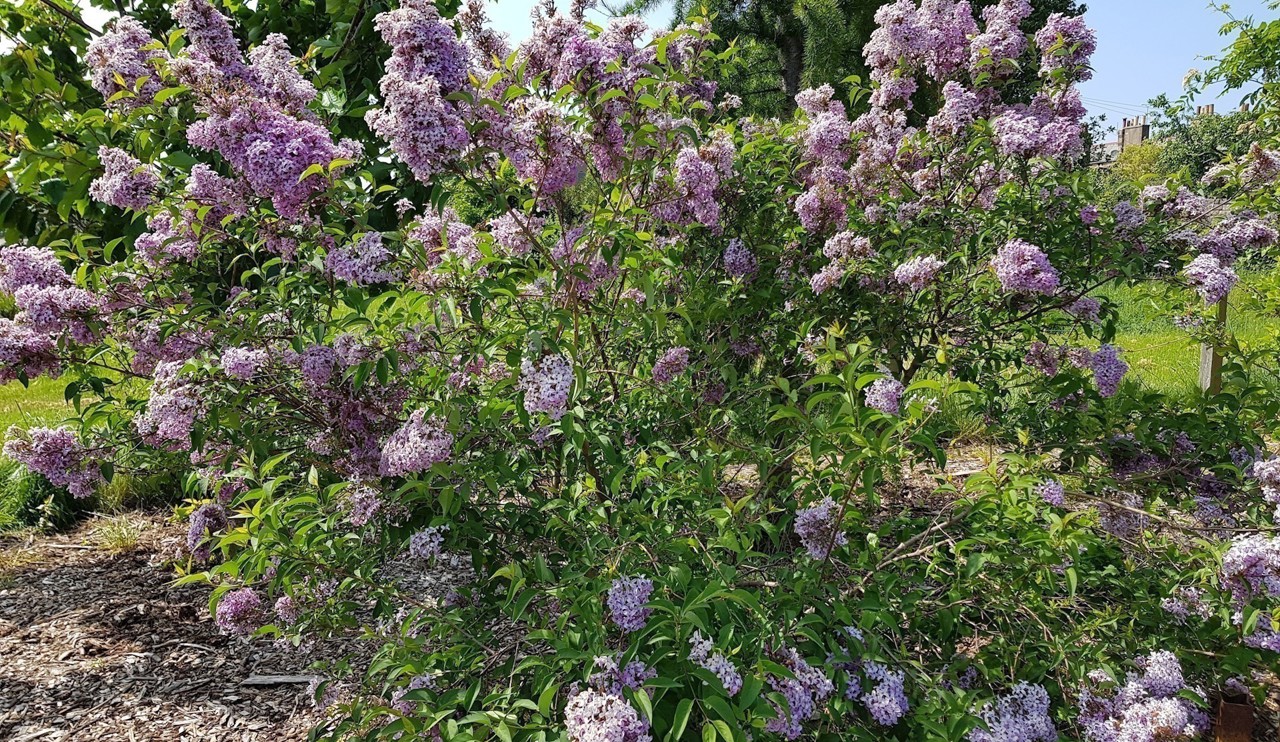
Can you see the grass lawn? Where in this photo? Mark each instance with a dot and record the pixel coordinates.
(1163, 357)
(39, 404)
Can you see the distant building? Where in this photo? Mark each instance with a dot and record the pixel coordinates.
(1132, 132)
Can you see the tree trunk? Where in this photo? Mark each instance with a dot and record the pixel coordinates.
(791, 54)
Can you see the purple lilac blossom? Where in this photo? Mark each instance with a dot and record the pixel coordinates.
(702, 652)
(1066, 43)
(738, 260)
(427, 543)
(546, 385)
(1212, 280)
(819, 528)
(361, 262)
(205, 521)
(121, 52)
(626, 601)
(919, 272)
(243, 363)
(1108, 370)
(1024, 268)
(418, 445)
(613, 679)
(592, 716)
(1052, 492)
(58, 456)
(885, 395)
(670, 365)
(1021, 715)
(125, 182)
(239, 611)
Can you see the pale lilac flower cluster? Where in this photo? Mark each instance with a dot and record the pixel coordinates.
(1021, 715)
(1089, 215)
(695, 179)
(545, 151)
(960, 108)
(999, 46)
(276, 75)
(1185, 602)
(205, 520)
(1044, 358)
(1148, 707)
(1108, 370)
(918, 272)
(517, 233)
(123, 52)
(1047, 127)
(626, 601)
(1210, 278)
(886, 395)
(1066, 43)
(847, 246)
(670, 365)
(210, 36)
(593, 716)
(546, 385)
(243, 363)
(827, 278)
(51, 307)
(883, 693)
(1128, 216)
(819, 528)
(363, 503)
(239, 611)
(738, 260)
(427, 543)
(125, 182)
(702, 652)
(1251, 568)
(613, 679)
(1086, 309)
(444, 233)
(361, 262)
(418, 445)
(802, 693)
(1052, 492)
(58, 456)
(171, 409)
(287, 610)
(1267, 472)
(428, 62)
(1023, 268)
(826, 138)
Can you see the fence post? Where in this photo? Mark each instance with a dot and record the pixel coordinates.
(1211, 356)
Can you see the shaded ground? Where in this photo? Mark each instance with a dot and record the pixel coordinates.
(97, 645)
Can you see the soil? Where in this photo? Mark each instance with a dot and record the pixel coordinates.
(98, 644)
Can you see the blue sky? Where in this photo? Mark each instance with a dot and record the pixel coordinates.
(1146, 47)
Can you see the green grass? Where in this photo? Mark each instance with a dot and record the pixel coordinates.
(39, 404)
(1164, 358)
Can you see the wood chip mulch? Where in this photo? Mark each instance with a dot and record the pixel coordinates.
(97, 644)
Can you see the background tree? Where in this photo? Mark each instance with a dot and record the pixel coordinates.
(1194, 143)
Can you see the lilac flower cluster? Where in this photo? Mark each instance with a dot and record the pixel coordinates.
(276, 76)
(243, 363)
(287, 610)
(126, 52)
(960, 108)
(1251, 568)
(418, 445)
(918, 272)
(702, 652)
(738, 260)
(428, 63)
(361, 262)
(205, 520)
(210, 36)
(1108, 370)
(1044, 358)
(1086, 309)
(1052, 492)
(171, 410)
(1021, 715)
(363, 503)
(613, 679)
(1186, 601)
(1267, 473)
(819, 528)
(997, 48)
(1066, 43)
(443, 233)
(1023, 268)
(125, 182)
(427, 543)
(885, 395)
(517, 233)
(626, 601)
(883, 693)
(425, 681)
(670, 365)
(1149, 706)
(593, 716)
(546, 385)
(802, 693)
(58, 456)
(239, 611)
(1210, 278)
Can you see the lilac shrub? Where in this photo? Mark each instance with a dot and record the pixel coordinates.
(587, 408)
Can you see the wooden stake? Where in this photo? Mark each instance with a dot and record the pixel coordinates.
(1211, 356)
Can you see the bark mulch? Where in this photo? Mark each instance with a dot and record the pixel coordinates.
(97, 644)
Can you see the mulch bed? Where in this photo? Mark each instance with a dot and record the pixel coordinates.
(99, 645)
